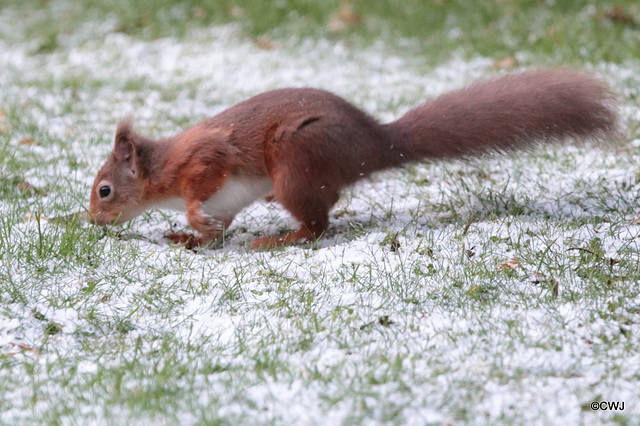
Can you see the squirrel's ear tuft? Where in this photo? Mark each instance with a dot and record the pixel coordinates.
(124, 146)
(125, 128)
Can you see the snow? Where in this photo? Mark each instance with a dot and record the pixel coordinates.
(447, 355)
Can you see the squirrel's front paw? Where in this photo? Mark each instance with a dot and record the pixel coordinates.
(190, 241)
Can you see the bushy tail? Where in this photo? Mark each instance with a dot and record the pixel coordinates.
(506, 112)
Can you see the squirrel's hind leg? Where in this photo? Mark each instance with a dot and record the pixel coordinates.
(311, 209)
(302, 235)
(313, 224)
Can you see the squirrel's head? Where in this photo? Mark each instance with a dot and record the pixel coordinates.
(118, 190)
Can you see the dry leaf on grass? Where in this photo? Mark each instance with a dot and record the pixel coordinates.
(343, 19)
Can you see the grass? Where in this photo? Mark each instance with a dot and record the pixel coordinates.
(502, 290)
(550, 31)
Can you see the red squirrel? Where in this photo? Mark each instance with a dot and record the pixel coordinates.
(305, 145)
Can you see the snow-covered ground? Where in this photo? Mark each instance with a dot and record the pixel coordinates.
(526, 315)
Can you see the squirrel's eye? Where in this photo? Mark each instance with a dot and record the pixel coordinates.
(105, 191)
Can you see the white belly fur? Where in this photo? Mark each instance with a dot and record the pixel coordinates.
(235, 194)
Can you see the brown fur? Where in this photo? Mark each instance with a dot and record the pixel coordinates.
(311, 144)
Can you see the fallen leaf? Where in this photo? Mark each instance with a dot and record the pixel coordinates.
(538, 278)
(505, 63)
(469, 221)
(343, 19)
(619, 16)
(28, 218)
(555, 287)
(236, 11)
(26, 187)
(395, 244)
(25, 348)
(199, 12)
(264, 43)
(385, 321)
(510, 264)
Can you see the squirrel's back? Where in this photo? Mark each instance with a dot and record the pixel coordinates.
(501, 113)
(313, 129)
